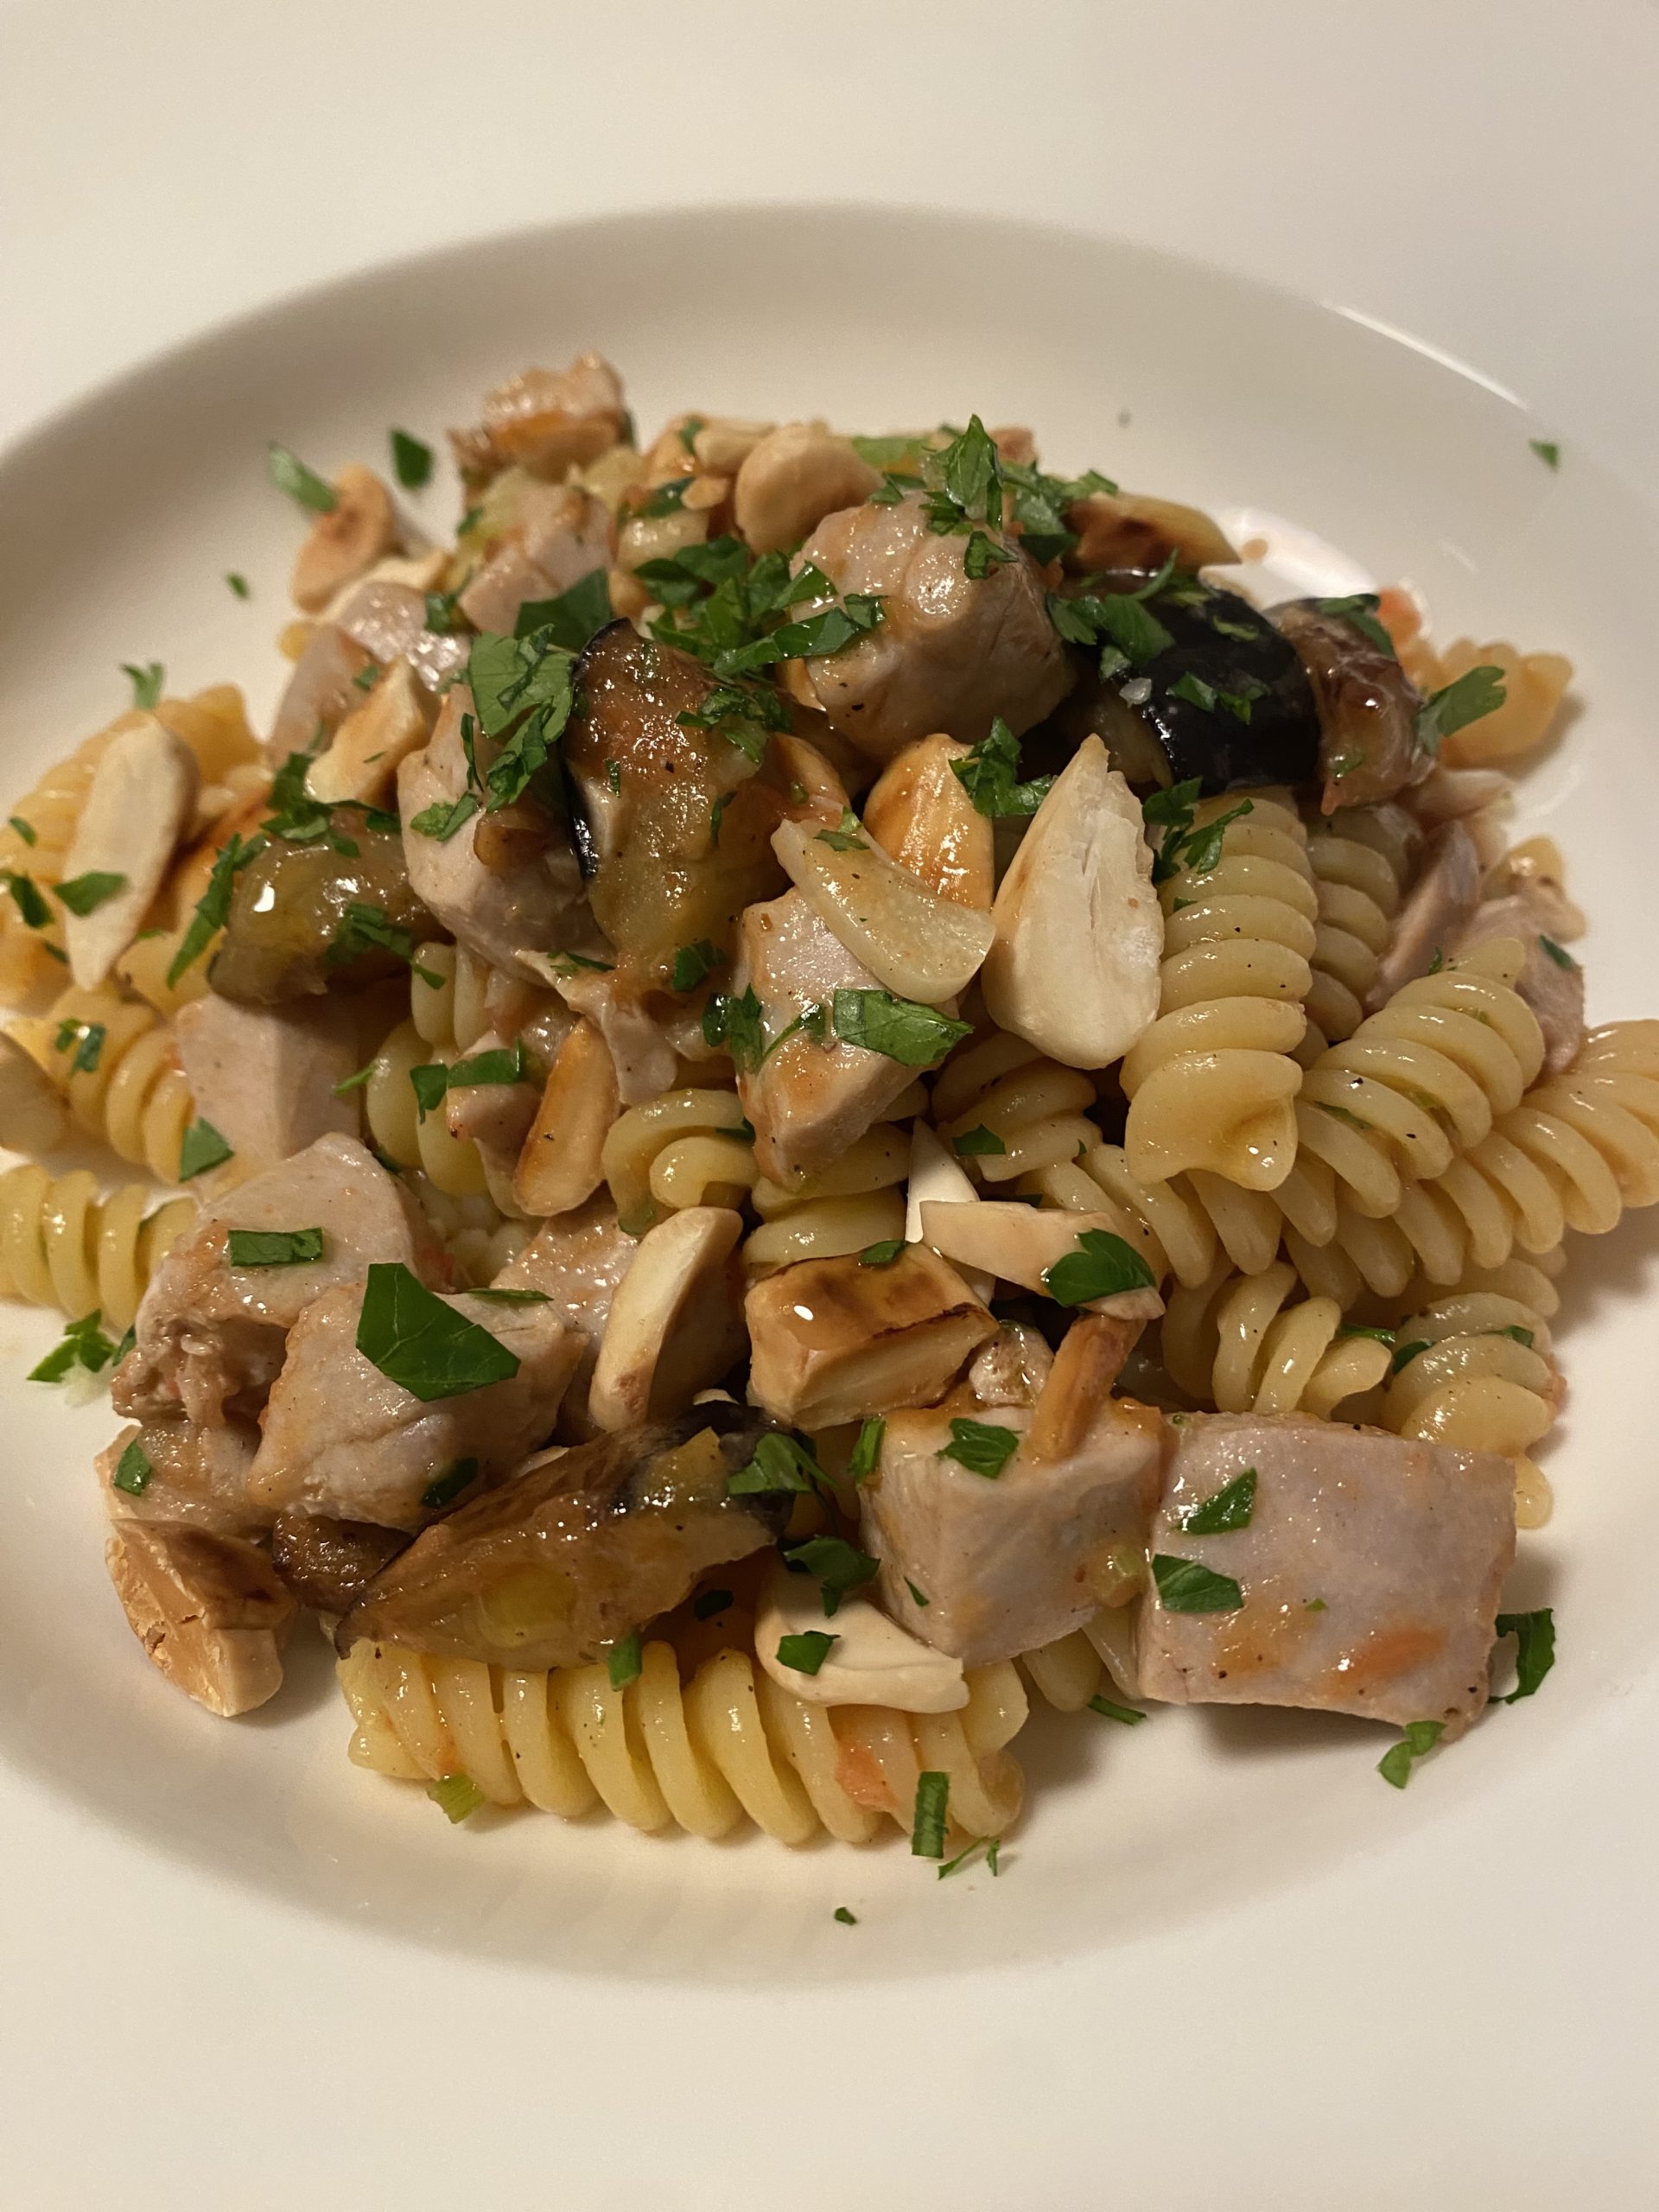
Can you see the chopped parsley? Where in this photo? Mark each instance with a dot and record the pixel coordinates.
(85, 894)
(990, 776)
(26, 830)
(990, 1846)
(87, 1040)
(457, 1796)
(882, 1255)
(444, 1489)
(916, 1036)
(1108, 1710)
(362, 928)
(202, 1148)
(807, 1652)
(707, 1603)
(1404, 1354)
(982, 555)
(1477, 692)
(213, 907)
(828, 631)
(1547, 450)
(781, 1462)
(840, 1566)
(1359, 611)
(693, 961)
(846, 1919)
(502, 1294)
(289, 473)
(848, 837)
(442, 818)
(1184, 1586)
(25, 897)
(982, 1447)
(523, 691)
(1103, 1265)
(238, 584)
(411, 461)
(572, 617)
(423, 1345)
(867, 1453)
(738, 1024)
(624, 1660)
(973, 1143)
(1558, 953)
(133, 1470)
(147, 681)
(1230, 1508)
(273, 1247)
(1535, 1654)
(1417, 1739)
(932, 1809)
(919, 1596)
(83, 1344)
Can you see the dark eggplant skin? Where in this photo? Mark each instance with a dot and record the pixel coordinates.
(577, 1550)
(1279, 743)
(328, 1563)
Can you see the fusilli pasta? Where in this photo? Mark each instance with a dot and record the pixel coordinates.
(1361, 861)
(63, 1245)
(118, 1065)
(1236, 1342)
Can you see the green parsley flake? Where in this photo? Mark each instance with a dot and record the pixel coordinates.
(422, 1344)
(238, 584)
(624, 1660)
(1184, 1586)
(147, 682)
(501, 1295)
(807, 1652)
(273, 1247)
(572, 617)
(26, 830)
(1230, 1508)
(846, 1919)
(213, 907)
(693, 961)
(1534, 1635)
(916, 1036)
(990, 1846)
(411, 461)
(25, 897)
(983, 1448)
(1128, 1714)
(707, 1603)
(973, 1143)
(840, 1566)
(444, 1489)
(1103, 1265)
(442, 818)
(866, 1452)
(781, 1462)
(1547, 450)
(932, 1809)
(990, 774)
(132, 1470)
(456, 1795)
(1467, 698)
(289, 473)
(85, 894)
(83, 1344)
(848, 837)
(1359, 611)
(202, 1148)
(1418, 1739)
(1558, 953)
(919, 1596)
(882, 1255)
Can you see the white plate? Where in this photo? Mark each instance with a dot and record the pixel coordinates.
(1166, 1945)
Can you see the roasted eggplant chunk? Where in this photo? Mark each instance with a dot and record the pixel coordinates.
(1368, 706)
(308, 917)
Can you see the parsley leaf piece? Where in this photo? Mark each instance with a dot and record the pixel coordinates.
(866, 1452)
(1202, 847)
(273, 1247)
(1547, 450)
(969, 474)
(26, 830)
(363, 928)
(806, 1653)
(444, 1489)
(840, 1566)
(1477, 692)
(889, 451)
(213, 907)
(919, 1596)
(1381, 1336)
(973, 1143)
(815, 638)
(932, 1809)
(738, 1024)
(133, 1470)
(503, 1294)
(238, 584)
(1128, 623)
(457, 1796)
(781, 1462)
(664, 498)
(1418, 1737)
(506, 1063)
(430, 1083)
(848, 837)
(423, 1345)
(87, 1038)
(707, 1603)
(1102, 1265)
(982, 555)
(1359, 611)
(916, 1036)
(202, 1148)
(1406, 1353)
(1514, 1330)
(441, 820)
(1230, 1508)
(85, 894)
(411, 461)
(882, 1255)
(1184, 1586)
(82, 1344)
(27, 898)
(693, 961)
(572, 617)
(990, 774)
(289, 473)
(147, 682)
(982, 1447)
(1558, 953)
(1194, 690)
(624, 1660)
(1534, 1635)
(1108, 1710)
(846, 1919)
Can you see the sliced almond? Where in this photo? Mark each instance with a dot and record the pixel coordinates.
(934, 1175)
(1079, 935)
(792, 478)
(1021, 1243)
(872, 1661)
(562, 1163)
(724, 443)
(208, 1610)
(835, 1341)
(1089, 1360)
(675, 1321)
(361, 763)
(919, 812)
(914, 943)
(345, 544)
(142, 798)
(420, 572)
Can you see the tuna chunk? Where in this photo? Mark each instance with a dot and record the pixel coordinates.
(1552, 984)
(563, 534)
(197, 1476)
(808, 1101)
(1009, 1563)
(1369, 1571)
(1435, 916)
(342, 1438)
(950, 652)
(576, 1261)
(210, 1336)
(265, 1076)
(500, 895)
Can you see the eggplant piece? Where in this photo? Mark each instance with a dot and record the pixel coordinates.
(1368, 706)
(1263, 726)
(578, 1548)
(645, 787)
(291, 933)
(328, 1564)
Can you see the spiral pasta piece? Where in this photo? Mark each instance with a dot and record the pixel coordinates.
(1212, 1085)
(63, 1245)
(690, 1147)
(1236, 1340)
(1362, 869)
(857, 1201)
(701, 1756)
(403, 1132)
(118, 1065)
(1036, 1110)
(1099, 1655)
(452, 1013)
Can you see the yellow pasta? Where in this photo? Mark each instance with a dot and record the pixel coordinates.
(118, 1065)
(1036, 1110)
(1361, 864)
(700, 1756)
(63, 1245)
(856, 1202)
(1212, 1085)
(690, 1147)
(1235, 1342)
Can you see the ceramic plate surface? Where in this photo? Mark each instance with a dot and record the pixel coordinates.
(117, 523)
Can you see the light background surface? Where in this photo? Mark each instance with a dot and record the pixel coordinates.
(1482, 176)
